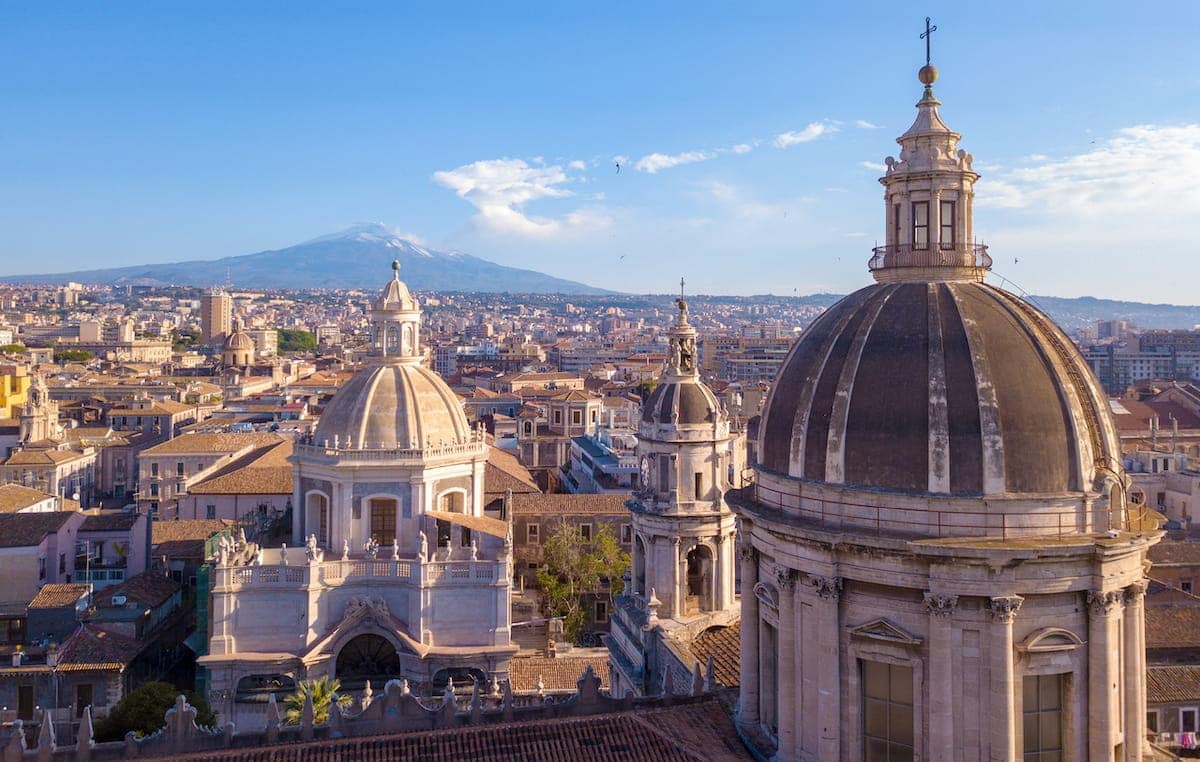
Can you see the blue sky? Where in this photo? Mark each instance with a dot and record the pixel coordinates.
(160, 131)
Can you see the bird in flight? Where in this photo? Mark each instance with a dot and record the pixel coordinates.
(618, 167)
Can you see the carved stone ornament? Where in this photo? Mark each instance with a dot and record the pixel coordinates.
(747, 552)
(828, 588)
(940, 604)
(1005, 607)
(1135, 591)
(785, 579)
(1103, 603)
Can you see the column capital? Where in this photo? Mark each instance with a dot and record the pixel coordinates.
(1102, 603)
(940, 604)
(828, 588)
(1135, 591)
(1005, 607)
(747, 552)
(785, 579)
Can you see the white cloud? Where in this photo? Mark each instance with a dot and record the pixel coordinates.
(742, 148)
(500, 189)
(863, 124)
(1149, 169)
(577, 165)
(810, 133)
(874, 166)
(656, 162)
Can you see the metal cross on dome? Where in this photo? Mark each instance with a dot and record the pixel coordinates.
(681, 288)
(927, 35)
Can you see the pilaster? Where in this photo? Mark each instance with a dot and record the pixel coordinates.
(941, 608)
(829, 678)
(1103, 714)
(785, 583)
(1003, 698)
(748, 691)
(1135, 670)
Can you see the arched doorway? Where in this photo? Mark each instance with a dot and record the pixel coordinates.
(317, 520)
(699, 580)
(367, 657)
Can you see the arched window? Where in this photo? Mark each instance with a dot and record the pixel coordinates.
(318, 517)
(699, 580)
(367, 657)
(452, 502)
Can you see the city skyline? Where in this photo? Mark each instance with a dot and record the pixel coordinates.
(173, 135)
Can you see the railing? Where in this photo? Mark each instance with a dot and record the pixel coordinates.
(932, 255)
(930, 522)
(114, 574)
(390, 453)
(338, 572)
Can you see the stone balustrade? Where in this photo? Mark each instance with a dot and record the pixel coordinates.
(337, 572)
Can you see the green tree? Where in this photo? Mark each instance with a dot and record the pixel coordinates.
(13, 349)
(72, 355)
(573, 568)
(144, 709)
(646, 388)
(324, 693)
(296, 340)
(181, 340)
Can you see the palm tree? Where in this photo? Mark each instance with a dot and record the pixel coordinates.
(324, 692)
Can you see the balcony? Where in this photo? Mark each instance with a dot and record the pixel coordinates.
(967, 255)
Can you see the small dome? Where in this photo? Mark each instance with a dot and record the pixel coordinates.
(684, 401)
(238, 341)
(404, 405)
(938, 387)
(395, 296)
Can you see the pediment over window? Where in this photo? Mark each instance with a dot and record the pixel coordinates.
(767, 594)
(885, 631)
(1050, 639)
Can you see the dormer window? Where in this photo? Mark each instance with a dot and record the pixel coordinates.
(946, 219)
(920, 217)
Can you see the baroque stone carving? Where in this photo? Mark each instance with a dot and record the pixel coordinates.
(828, 588)
(1005, 607)
(1135, 591)
(940, 604)
(1103, 603)
(785, 578)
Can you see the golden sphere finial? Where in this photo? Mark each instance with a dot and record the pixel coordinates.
(928, 74)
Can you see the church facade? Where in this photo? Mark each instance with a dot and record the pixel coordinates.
(393, 572)
(938, 557)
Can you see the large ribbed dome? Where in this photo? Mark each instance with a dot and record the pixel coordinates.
(938, 387)
(394, 404)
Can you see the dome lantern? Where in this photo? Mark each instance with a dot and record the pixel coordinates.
(396, 322)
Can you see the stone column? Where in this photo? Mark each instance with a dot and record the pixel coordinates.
(941, 674)
(298, 506)
(678, 578)
(829, 679)
(1003, 698)
(718, 573)
(1135, 671)
(1103, 714)
(789, 730)
(748, 700)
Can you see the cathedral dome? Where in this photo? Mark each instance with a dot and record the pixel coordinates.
(951, 387)
(238, 341)
(681, 401)
(393, 405)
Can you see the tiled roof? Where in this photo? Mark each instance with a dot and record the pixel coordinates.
(263, 471)
(91, 648)
(1172, 684)
(612, 504)
(14, 497)
(1174, 552)
(1173, 626)
(109, 521)
(42, 457)
(58, 594)
(148, 589)
(485, 524)
(184, 538)
(503, 471)
(209, 443)
(682, 733)
(21, 530)
(558, 673)
(1136, 416)
(724, 645)
(162, 407)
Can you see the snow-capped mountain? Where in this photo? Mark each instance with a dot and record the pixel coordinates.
(358, 257)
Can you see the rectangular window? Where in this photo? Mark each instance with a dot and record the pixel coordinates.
(83, 697)
(1152, 720)
(557, 416)
(920, 224)
(531, 533)
(585, 531)
(62, 563)
(664, 473)
(601, 611)
(383, 521)
(153, 490)
(946, 223)
(41, 568)
(626, 533)
(576, 417)
(154, 469)
(179, 468)
(896, 223)
(887, 710)
(699, 486)
(466, 537)
(25, 702)
(1187, 720)
(210, 512)
(1042, 716)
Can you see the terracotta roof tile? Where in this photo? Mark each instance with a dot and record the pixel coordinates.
(686, 732)
(21, 530)
(1173, 553)
(504, 471)
(724, 645)
(184, 538)
(14, 497)
(558, 673)
(147, 589)
(264, 471)
(612, 503)
(58, 594)
(91, 648)
(109, 521)
(1172, 684)
(1173, 626)
(218, 442)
